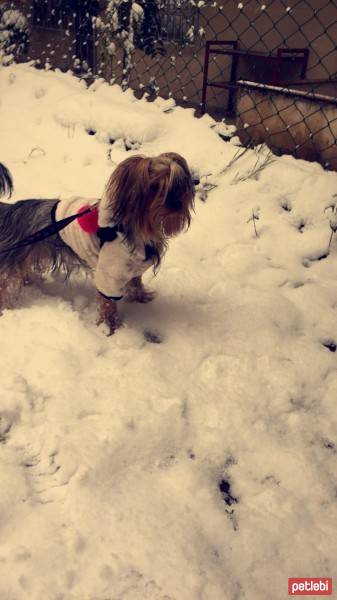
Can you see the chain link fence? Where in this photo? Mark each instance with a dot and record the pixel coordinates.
(269, 67)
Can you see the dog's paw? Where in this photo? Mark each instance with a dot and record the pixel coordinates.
(111, 324)
(107, 314)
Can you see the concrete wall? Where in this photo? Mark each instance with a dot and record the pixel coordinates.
(300, 127)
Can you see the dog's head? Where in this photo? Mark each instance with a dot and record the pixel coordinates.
(151, 196)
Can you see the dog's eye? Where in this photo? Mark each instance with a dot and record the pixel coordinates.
(173, 203)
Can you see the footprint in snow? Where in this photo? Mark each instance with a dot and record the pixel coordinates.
(330, 345)
(153, 337)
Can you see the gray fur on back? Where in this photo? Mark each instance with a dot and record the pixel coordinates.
(22, 219)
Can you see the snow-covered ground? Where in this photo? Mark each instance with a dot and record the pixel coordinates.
(200, 468)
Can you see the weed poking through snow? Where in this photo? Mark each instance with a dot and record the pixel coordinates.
(238, 154)
(262, 162)
(204, 187)
(332, 222)
(255, 217)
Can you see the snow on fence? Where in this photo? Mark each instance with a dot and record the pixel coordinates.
(200, 52)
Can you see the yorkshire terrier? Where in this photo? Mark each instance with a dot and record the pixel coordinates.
(146, 201)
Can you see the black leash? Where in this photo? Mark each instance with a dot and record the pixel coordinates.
(48, 231)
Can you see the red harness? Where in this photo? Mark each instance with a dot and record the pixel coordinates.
(88, 222)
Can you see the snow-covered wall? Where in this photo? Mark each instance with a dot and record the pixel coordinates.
(302, 127)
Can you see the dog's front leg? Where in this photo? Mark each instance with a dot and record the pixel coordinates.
(136, 292)
(107, 313)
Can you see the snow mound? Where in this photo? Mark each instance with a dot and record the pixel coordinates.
(193, 454)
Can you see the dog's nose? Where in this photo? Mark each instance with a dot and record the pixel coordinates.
(195, 179)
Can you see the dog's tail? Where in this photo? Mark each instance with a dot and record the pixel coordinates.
(6, 181)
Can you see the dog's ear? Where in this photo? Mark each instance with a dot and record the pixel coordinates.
(127, 187)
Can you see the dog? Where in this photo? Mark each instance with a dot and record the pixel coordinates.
(146, 201)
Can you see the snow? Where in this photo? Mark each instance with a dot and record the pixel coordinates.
(13, 34)
(113, 450)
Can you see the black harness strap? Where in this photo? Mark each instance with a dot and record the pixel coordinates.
(46, 232)
(109, 234)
